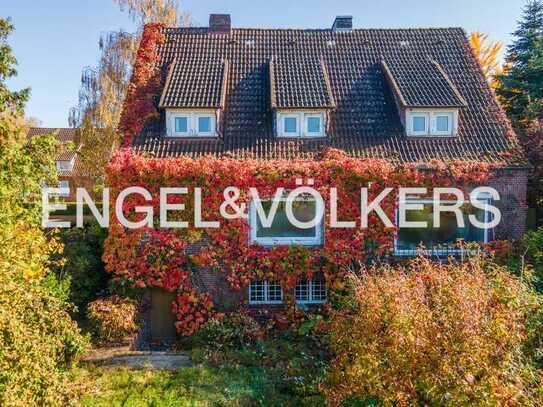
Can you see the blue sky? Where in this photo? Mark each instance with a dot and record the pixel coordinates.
(55, 39)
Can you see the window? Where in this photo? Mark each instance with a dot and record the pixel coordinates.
(418, 125)
(439, 240)
(442, 124)
(311, 291)
(314, 125)
(191, 124)
(265, 292)
(64, 187)
(65, 165)
(281, 231)
(300, 124)
(430, 123)
(205, 125)
(182, 124)
(290, 125)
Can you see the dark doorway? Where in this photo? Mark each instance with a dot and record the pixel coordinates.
(162, 317)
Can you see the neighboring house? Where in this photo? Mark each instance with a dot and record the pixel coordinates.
(405, 95)
(70, 175)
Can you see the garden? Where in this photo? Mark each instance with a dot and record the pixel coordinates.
(435, 331)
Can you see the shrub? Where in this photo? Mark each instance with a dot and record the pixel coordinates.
(113, 318)
(82, 268)
(38, 343)
(228, 331)
(433, 334)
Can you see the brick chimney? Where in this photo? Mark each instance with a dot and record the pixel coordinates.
(220, 24)
(343, 24)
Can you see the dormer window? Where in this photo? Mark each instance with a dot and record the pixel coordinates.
(65, 165)
(190, 124)
(300, 124)
(431, 123)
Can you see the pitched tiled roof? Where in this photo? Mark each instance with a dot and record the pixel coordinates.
(63, 134)
(299, 83)
(195, 83)
(365, 121)
(421, 83)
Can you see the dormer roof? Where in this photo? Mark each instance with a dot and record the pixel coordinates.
(421, 83)
(299, 83)
(195, 83)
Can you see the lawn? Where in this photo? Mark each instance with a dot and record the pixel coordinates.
(192, 386)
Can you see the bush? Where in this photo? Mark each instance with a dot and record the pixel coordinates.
(38, 343)
(112, 318)
(433, 334)
(81, 267)
(228, 331)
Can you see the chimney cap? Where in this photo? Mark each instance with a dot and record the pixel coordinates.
(220, 23)
(343, 24)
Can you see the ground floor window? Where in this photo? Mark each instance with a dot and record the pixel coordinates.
(442, 239)
(265, 292)
(306, 292)
(311, 291)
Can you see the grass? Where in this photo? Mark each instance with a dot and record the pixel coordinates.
(193, 386)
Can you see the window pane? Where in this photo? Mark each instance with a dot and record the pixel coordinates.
(204, 125)
(442, 123)
(291, 125)
(313, 124)
(274, 291)
(301, 291)
(448, 232)
(318, 288)
(281, 227)
(181, 124)
(419, 123)
(256, 291)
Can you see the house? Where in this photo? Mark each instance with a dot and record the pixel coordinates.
(401, 95)
(68, 164)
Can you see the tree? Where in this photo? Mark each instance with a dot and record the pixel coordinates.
(38, 339)
(103, 88)
(487, 52)
(520, 88)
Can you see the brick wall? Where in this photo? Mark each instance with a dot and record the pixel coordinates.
(511, 185)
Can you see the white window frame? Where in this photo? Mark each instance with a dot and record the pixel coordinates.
(439, 251)
(266, 299)
(410, 123)
(65, 165)
(64, 190)
(431, 122)
(192, 124)
(173, 126)
(302, 128)
(320, 116)
(282, 119)
(211, 131)
(316, 240)
(310, 299)
(434, 131)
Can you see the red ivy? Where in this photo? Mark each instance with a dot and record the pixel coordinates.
(159, 258)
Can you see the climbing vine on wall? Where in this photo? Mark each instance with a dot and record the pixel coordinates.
(158, 257)
(165, 258)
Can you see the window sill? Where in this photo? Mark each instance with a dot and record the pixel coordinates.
(265, 302)
(192, 137)
(431, 253)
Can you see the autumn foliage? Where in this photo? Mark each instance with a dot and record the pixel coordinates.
(154, 257)
(433, 334)
(162, 258)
